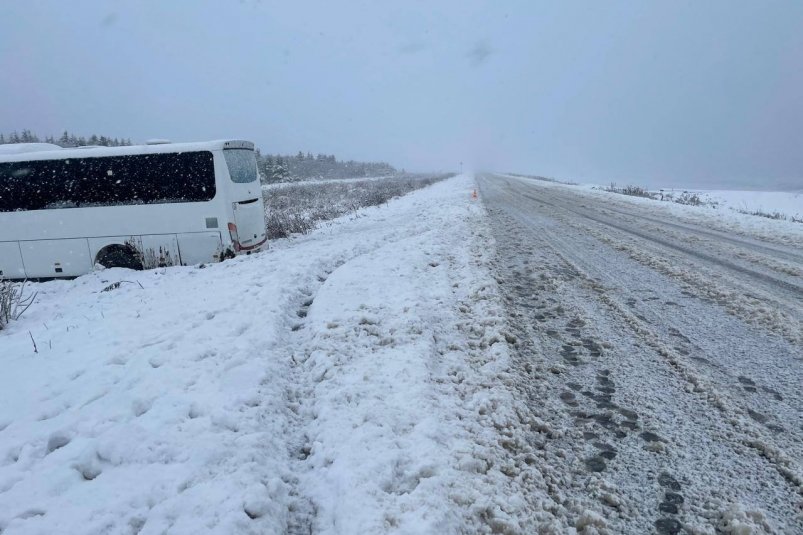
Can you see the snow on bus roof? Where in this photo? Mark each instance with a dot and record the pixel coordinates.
(46, 151)
(21, 148)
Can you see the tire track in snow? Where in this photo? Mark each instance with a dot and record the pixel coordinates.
(763, 248)
(302, 510)
(763, 277)
(740, 297)
(785, 263)
(766, 394)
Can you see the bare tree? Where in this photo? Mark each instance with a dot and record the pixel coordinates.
(14, 301)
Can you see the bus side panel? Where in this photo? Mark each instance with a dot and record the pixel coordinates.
(11, 266)
(199, 247)
(56, 258)
(159, 250)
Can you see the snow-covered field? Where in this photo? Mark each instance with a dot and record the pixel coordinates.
(347, 381)
(280, 185)
(786, 203)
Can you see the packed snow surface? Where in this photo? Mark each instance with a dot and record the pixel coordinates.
(663, 347)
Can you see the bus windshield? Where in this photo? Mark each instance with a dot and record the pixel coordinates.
(242, 165)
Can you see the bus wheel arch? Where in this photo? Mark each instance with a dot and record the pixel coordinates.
(119, 255)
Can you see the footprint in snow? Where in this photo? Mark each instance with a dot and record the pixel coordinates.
(57, 441)
(757, 416)
(667, 526)
(672, 501)
(595, 464)
(649, 436)
(668, 482)
(568, 398)
(606, 450)
(775, 393)
(605, 420)
(748, 384)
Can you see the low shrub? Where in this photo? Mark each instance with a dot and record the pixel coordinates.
(633, 191)
(691, 199)
(13, 301)
(769, 215)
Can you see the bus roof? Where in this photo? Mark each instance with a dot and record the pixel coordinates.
(56, 153)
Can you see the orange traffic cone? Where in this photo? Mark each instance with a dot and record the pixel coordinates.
(474, 195)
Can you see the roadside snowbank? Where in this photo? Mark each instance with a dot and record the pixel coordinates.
(336, 382)
(402, 432)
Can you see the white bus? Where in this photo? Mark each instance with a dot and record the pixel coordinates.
(63, 211)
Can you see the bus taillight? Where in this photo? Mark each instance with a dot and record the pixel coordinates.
(234, 237)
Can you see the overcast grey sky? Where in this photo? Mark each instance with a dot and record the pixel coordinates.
(702, 93)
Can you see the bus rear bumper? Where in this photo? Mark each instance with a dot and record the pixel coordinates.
(248, 249)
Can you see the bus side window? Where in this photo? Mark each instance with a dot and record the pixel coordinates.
(107, 181)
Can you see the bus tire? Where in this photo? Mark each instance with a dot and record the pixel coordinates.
(117, 255)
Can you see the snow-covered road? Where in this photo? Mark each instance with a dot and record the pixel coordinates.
(665, 355)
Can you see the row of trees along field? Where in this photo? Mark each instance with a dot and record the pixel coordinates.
(65, 140)
(288, 168)
(272, 167)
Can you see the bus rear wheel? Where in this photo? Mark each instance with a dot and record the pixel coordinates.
(122, 256)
